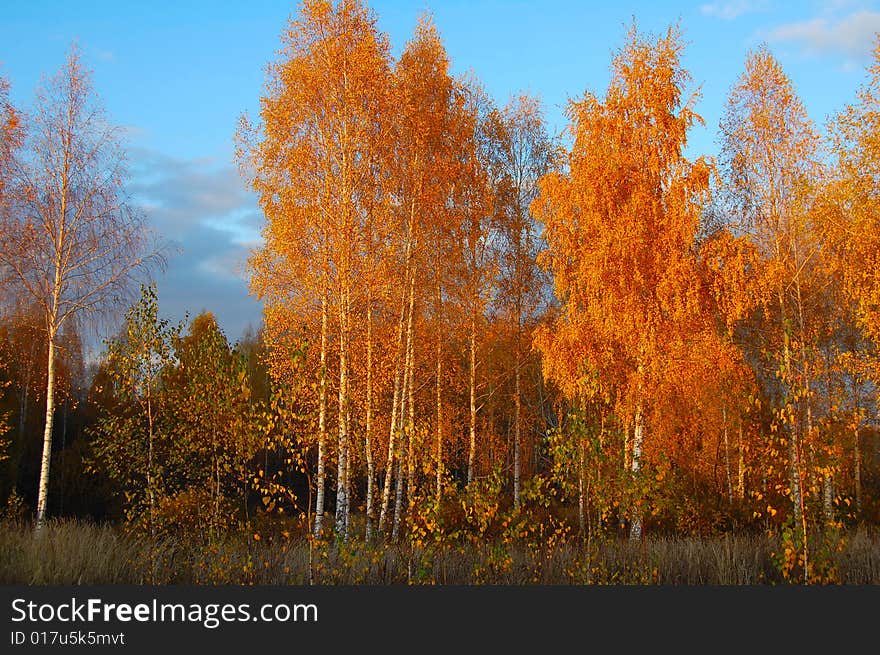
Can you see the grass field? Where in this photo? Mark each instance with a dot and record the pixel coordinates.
(74, 552)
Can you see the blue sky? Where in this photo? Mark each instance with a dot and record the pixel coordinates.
(178, 74)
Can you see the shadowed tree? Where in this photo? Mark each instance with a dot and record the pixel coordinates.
(10, 140)
(525, 154)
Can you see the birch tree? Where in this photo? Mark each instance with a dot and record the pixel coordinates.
(423, 140)
(73, 242)
(478, 171)
(620, 225)
(10, 140)
(852, 222)
(11, 133)
(769, 157)
(850, 226)
(526, 154)
(311, 161)
(131, 437)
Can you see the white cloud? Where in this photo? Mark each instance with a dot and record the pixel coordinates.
(207, 212)
(186, 193)
(853, 36)
(731, 9)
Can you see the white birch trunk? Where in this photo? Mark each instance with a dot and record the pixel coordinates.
(341, 481)
(438, 392)
(400, 368)
(635, 527)
(857, 472)
(368, 428)
(392, 434)
(411, 435)
(406, 399)
(517, 404)
(45, 462)
(472, 388)
(439, 436)
(581, 489)
(741, 465)
(322, 421)
(727, 459)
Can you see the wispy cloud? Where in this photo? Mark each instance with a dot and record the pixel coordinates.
(852, 36)
(184, 194)
(206, 211)
(731, 9)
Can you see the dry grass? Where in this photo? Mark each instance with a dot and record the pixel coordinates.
(72, 552)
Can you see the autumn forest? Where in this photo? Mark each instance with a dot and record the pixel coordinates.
(489, 353)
